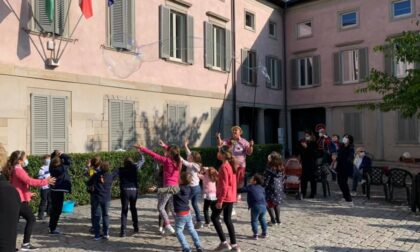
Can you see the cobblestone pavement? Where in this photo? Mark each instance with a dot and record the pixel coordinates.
(308, 225)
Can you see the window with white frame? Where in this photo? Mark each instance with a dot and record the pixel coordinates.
(272, 29)
(349, 19)
(249, 67)
(249, 20)
(402, 8)
(122, 131)
(304, 29)
(51, 24)
(121, 25)
(350, 66)
(407, 129)
(273, 66)
(219, 45)
(401, 68)
(178, 26)
(305, 72)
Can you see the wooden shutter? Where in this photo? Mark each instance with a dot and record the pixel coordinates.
(117, 24)
(268, 69)
(129, 24)
(42, 23)
(61, 7)
(245, 68)
(228, 50)
(363, 64)
(209, 53)
(338, 75)
(165, 43)
(128, 122)
(40, 135)
(182, 114)
(171, 114)
(317, 70)
(294, 73)
(190, 40)
(115, 125)
(353, 125)
(58, 123)
(280, 74)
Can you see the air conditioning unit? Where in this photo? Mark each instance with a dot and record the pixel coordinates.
(52, 63)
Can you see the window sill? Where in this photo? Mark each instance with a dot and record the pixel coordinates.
(249, 84)
(249, 28)
(49, 35)
(272, 37)
(306, 87)
(216, 69)
(176, 61)
(304, 37)
(274, 88)
(352, 27)
(402, 17)
(118, 50)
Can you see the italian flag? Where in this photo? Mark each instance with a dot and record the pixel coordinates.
(49, 9)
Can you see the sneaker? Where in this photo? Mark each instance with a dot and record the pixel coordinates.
(236, 248)
(28, 247)
(271, 224)
(136, 230)
(97, 238)
(363, 181)
(200, 249)
(105, 237)
(56, 232)
(255, 237)
(223, 247)
(263, 236)
(207, 225)
(278, 223)
(170, 229)
(233, 212)
(353, 194)
(122, 234)
(198, 225)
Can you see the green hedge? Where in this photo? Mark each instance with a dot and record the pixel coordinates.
(255, 163)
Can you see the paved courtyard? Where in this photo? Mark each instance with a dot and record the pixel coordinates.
(309, 225)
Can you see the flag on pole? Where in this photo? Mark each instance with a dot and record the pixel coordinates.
(86, 7)
(49, 9)
(110, 2)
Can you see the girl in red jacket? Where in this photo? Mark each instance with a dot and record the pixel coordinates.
(226, 196)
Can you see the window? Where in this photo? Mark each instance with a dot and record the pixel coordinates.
(305, 72)
(401, 67)
(249, 65)
(249, 20)
(401, 8)
(218, 47)
(273, 66)
(272, 29)
(58, 22)
(121, 25)
(122, 131)
(304, 29)
(351, 66)
(353, 126)
(176, 115)
(176, 36)
(48, 124)
(407, 129)
(349, 19)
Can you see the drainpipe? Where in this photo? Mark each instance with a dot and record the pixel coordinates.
(233, 61)
(286, 131)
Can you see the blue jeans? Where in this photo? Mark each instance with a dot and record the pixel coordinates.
(195, 197)
(100, 211)
(180, 223)
(258, 215)
(357, 177)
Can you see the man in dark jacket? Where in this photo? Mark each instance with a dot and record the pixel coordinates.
(308, 154)
(9, 214)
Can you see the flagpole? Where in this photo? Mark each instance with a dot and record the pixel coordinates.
(65, 24)
(71, 35)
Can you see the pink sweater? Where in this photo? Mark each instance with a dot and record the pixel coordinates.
(170, 167)
(21, 181)
(209, 187)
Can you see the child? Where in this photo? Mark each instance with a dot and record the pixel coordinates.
(209, 178)
(172, 164)
(92, 166)
(273, 184)
(257, 204)
(45, 204)
(101, 199)
(183, 217)
(193, 165)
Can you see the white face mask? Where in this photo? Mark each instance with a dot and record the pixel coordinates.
(308, 138)
(345, 140)
(320, 134)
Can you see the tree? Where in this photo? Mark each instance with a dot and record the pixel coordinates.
(398, 93)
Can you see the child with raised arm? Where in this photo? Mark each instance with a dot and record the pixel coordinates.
(172, 164)
(209, 177)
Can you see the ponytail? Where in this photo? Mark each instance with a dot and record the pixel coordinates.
(174, 153)
(11, 163)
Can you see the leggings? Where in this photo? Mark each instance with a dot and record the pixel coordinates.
(163, 199)
(207, 204)
(227, 217)
(26, 213)
(274, 213)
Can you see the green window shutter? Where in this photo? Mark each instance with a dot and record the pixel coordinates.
(128, 121)
(228, 50)
(317, 70)
(280, 74)
(389, 61)
(363, 63)
(40, 124)
(165, 43)
(338, 75)
(61, 7)
(171, 114)
(118, 25)
(42, 23)
(294, 73)
(115, 125)
(59, 123)
(244, 67)
(208, 35)
(190, 40)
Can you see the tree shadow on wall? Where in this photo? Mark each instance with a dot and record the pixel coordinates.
(158, 128)
(93, 144)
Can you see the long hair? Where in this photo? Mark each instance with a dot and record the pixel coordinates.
(226, 152)
(12, 162)
(174, 154)
(185, 178)
(213, 174)
(3, 156)
(96, 161)
(275, 162)
(196, 157)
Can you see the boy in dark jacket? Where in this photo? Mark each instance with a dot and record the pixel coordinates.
(59, 168)
(9, 213)
(183, 216)
(101, 199)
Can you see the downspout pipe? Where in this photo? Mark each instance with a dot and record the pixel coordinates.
(233, 69)
(285, 113)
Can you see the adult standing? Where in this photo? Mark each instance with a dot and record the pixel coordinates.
(345, 158)
(308, 154)
(240, 149)
(20, 179)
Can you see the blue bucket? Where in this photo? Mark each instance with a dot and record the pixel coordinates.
(68, 206)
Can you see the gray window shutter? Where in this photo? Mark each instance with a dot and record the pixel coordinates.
(115, 125)
(280, 74)
(228, 50)
(363, 63)
(245, 68)
(407, 129)
(42, 23)
(317, 70)
(190, 40)
(268, 69)
(171, 114)
(357, 127)
(294, 73)
(128, 124)
(182, 114)
(129, 22)
(165, 43)
(118, 25)
(208, 34)
(348, 129)
(58, 123)
(338, 75)
(40, 125)
(389, 61)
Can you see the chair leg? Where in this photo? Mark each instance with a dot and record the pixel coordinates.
(324, 188)
(386, 192)
(328, 188)
(368, 190)
(391, 193)
(408, 195)
(364, 188)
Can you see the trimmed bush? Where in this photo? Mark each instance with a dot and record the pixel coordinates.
(255, 163)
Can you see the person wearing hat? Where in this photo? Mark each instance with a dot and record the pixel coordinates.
(241, 148)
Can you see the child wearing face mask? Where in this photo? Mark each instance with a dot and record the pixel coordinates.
(45, 204)
(362, 166)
